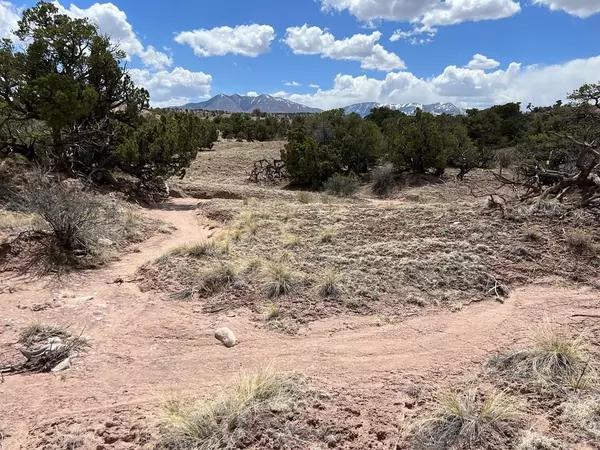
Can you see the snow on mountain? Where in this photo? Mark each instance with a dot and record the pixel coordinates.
(247, 104)
(364, 109)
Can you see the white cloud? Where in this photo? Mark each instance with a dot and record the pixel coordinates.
(427, 12)
(416, 31)
(155, 59)
(314, 86)
(579, 8)
(173, 88)
(113, 22)
(425, 15)
(252, 94)
(292, 83)
(307, 40)
(246, 40)
(283, 94)
(9, 16)
(540, 85)
(480, 61)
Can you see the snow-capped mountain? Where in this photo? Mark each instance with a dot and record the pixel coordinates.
(247, 104)
(364, 109)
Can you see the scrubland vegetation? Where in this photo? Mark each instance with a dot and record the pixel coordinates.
(352, 224)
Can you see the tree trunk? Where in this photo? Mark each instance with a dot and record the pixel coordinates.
(63, 163)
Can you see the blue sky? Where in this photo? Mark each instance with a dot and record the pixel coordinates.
(395, 51)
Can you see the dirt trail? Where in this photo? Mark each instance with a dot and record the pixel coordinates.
(143, 346)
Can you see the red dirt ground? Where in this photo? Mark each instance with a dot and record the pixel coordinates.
(144, 347)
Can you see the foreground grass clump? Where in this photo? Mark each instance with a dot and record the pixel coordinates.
(278, 280)
(223, 421)
(330, 285)
(467, 419)
(556, 358)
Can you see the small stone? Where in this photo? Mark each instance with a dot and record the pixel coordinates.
(64, 365)
(226, 337)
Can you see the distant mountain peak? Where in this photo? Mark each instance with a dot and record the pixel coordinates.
(237, 103)
(364, 109)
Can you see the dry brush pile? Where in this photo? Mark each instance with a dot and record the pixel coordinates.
(46, 347)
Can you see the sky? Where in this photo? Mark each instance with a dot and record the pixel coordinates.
(333, 53)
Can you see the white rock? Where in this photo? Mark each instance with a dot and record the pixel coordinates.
(64, 365)
(226, 337)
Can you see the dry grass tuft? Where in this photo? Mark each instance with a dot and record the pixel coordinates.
(383, 182)
(330, 286)
(533, 234)
(584, 413)
(219, 277)
(557, 358)
(200, 249)
(304, 197)
(278, 280)
(468, 418)
(328, 234)
(40, 331)
(581, 241)
(223, 421)
(291, 241)
(536, 441)
(70, 440)
(272, 311)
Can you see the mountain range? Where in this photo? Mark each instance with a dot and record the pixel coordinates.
(246, 104)
(267, 103)
(364, 109)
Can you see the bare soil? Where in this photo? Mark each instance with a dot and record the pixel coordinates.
(370, 370)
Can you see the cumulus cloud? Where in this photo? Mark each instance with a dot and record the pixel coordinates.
(113, 22)
(173, 88)
(252, 94)
(426, 12)
(416, 31)
(364, 48)
(246, 40)
(292, 83)
(480, 61)
(314, 86)
(425, 15)
(9, 16)
(579, 8)
(540, 85)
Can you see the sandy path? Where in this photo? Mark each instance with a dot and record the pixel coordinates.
(144, 346)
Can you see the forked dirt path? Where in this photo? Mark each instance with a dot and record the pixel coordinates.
(144, 346)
